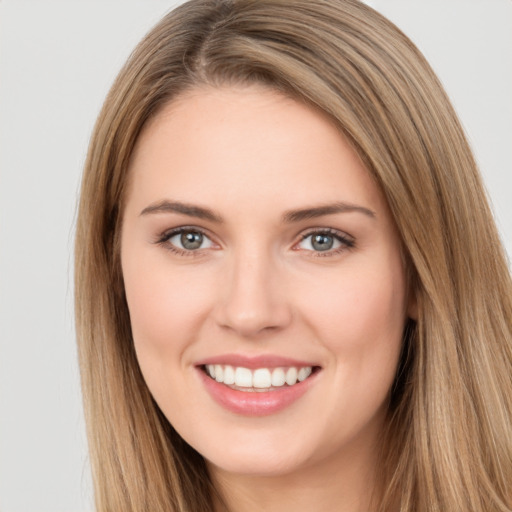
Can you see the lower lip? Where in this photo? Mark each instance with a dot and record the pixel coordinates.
(255, 403)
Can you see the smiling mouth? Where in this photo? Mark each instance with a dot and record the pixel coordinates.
(259, 379)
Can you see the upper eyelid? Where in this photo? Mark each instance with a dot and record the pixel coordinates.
(169, 233)
(330, 231)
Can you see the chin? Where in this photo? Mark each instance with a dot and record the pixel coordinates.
(258, 465)
(257, 451)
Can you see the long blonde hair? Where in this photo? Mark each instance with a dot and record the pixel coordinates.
(448, 443)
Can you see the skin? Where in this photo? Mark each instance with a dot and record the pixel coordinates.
(257, 286)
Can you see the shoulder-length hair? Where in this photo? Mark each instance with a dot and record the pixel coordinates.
(449, 435)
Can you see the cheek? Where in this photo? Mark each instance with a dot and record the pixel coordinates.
(153, 309)
(359, 317)
(166, 306)
(356, 305)
(167, 311)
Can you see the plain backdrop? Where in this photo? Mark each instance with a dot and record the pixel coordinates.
(57, 61)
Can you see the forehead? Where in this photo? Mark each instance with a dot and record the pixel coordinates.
(237, 144)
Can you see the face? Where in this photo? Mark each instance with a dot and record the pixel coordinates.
(264, 281)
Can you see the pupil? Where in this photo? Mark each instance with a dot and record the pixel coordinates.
(191, 240)
(322, 242)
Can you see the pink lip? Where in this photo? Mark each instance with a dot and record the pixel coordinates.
(254, 362)
(255, 403)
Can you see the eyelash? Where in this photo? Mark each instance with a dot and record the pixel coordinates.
(164, 238)
(347, 242)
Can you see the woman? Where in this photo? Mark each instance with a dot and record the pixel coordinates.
(289, 287)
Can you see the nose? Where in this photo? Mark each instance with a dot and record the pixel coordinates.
(253, 298)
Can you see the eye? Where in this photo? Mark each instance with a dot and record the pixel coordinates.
(325, 241)
(189, 240)
(184, 240)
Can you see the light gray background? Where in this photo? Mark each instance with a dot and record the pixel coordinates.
(57, 61)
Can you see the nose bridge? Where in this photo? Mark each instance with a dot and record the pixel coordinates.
(254, 299)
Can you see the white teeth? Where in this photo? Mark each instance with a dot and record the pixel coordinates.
(219, 373)
(278, 377)
(291, 376)
(261, 378)
(243, 377)
(229, 375)
(304, 373)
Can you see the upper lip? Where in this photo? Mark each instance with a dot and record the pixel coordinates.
(254, 362)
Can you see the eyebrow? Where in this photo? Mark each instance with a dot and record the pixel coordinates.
(191, 210)
(327, 209)
(289, 217)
